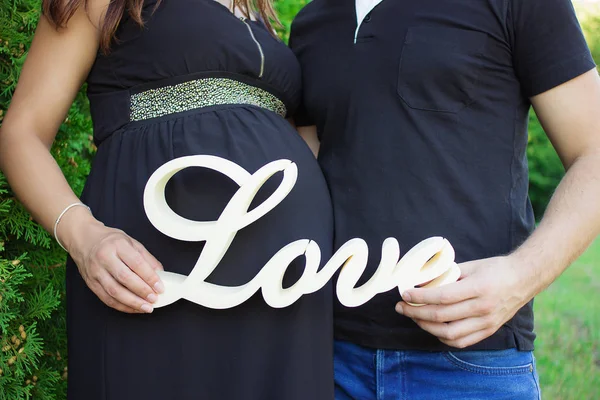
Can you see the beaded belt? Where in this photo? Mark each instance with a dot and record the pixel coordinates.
(200, 93)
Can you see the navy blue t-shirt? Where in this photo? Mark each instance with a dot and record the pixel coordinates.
(423, 126)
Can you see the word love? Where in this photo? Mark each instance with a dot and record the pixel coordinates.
(430, 262)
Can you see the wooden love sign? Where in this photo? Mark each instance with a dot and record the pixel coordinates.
(430, 262)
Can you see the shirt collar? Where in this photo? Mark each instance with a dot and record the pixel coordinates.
(363, 7)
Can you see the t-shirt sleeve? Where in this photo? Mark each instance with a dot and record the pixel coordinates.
(300, 115)
(549, 48)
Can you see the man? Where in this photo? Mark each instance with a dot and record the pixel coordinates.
(421, 108)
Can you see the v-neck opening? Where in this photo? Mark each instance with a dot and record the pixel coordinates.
(362, 8)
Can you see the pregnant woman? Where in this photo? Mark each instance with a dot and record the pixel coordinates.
(166, 80)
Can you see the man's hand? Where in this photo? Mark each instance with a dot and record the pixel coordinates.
(460, 314)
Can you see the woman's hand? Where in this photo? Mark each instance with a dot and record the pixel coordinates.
(116, 267)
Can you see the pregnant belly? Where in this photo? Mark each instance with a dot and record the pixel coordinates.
(124, 164)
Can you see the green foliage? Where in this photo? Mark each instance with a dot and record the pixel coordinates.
(545, 168)
(287, 9)
(32, 312)
(25, 367)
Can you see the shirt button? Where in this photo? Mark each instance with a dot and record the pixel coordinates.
(367, 18)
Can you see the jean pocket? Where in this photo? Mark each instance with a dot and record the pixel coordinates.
(440, 68)
(493, 362)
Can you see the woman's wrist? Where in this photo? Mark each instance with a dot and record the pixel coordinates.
(74, 226)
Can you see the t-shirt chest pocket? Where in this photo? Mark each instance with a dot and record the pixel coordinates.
(440, 68)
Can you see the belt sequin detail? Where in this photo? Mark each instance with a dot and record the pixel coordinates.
(200, 93)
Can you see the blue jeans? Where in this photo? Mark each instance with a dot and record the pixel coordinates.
(369, 374)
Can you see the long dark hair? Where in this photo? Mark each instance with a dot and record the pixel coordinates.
(60, 11)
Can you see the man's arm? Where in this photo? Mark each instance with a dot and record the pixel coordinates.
(570, 116)
(491, 291)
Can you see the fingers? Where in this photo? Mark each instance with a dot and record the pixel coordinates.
(448, 294)
(469, 340)
(120, 295)
(135, 273)
(110, 301)
(129, 280)
(467, 268)
(440, 313)
(150, 259)
(453, 331)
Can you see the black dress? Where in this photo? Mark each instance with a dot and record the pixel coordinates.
(198, 80)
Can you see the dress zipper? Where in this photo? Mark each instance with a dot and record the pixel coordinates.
(262, 54)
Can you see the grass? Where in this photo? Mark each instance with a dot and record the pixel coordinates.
(568, 328)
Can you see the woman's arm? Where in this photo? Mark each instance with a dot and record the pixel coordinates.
(117, 268)
(54, 71)
(309, 134)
